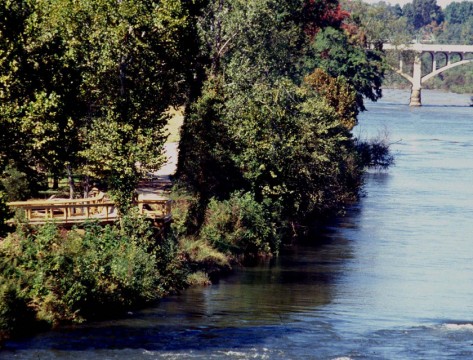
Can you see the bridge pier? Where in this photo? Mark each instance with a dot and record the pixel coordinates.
(415, 97)
(416, 82)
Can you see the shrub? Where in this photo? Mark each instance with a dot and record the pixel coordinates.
(198, 278)
(375, 153)
(5, 213)
(69, 276)
(21, 185)
(16, 184)
(182, 206)
(240, 225)
(201, 256)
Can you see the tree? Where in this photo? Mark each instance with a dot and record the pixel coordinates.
(458, 12)
(258, 127)
(362, 68)
(337, 93)
(376, 24)
(132, 57)
(293, 148)
(422, 12)
(95, 79)
(37, 132)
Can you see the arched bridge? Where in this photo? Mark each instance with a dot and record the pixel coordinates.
(462, 53)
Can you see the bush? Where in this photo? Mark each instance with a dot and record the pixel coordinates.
(21, 185)
(16, 184)
(69, 276)
(182, 212)
(202, 258)
(5, 213)
(15, 315)
(240, 226)
(198, 278)
(375, 153)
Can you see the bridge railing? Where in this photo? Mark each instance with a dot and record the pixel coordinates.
(66, 211)
(76, 211)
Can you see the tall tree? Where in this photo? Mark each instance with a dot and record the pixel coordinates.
(375, 24)
(422, 12)
(95, 80)
(36, 86)
(256, 127)
(458, 12)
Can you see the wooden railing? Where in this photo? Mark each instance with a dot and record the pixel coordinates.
(76, 211)
(158, 209)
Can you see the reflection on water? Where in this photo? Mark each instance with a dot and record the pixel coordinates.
(393, 279)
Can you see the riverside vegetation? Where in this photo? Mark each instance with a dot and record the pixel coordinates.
(271, 91)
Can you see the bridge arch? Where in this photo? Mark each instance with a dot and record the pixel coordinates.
(444, 68)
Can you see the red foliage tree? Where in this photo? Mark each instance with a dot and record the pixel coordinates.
(318, 14)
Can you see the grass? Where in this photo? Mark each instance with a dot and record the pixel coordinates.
(201, 252)
(198, 278)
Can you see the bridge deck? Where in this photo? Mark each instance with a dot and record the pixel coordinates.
(431, 48)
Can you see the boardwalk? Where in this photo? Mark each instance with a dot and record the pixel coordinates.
(151, 200)
(66, 212)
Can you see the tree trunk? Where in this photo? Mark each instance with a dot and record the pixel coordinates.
(70, 180)
(86, 186)
(55, 182)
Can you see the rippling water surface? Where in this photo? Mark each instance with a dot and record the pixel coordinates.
(393, 279)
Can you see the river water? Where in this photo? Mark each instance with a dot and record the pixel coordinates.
(393, 279)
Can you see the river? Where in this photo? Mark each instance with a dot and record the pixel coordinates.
(392, 279)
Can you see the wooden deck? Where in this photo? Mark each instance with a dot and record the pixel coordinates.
(76, 211)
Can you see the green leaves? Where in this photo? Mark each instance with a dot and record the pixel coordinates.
(54, 276)
(256, 129)
(337, 56)
(88, 83)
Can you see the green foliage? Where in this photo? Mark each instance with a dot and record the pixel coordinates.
(337, 56)
(70, 276)
(458, 12)
(16, 184)
(375, 152)
(5, 213)
(19, 185)
(255, 129)
(205, 162)
(293, 149)
(250, 40)
(458, 80)
(15, 315)
(85, 84)
(337, 93)
(420, 13)
(200, 257)
(375, 24)
(198, 278)
(240, 226)
(182, 204)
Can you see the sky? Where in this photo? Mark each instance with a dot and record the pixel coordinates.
(442, 3)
